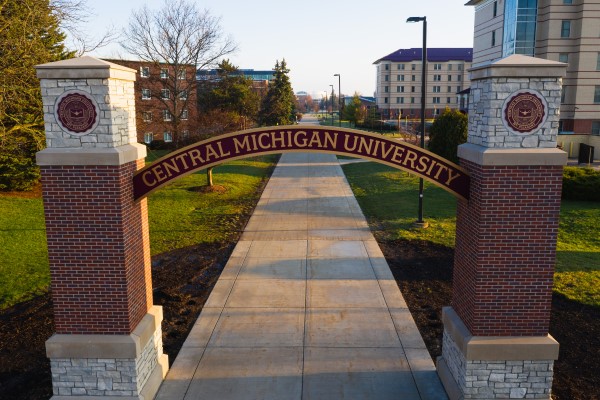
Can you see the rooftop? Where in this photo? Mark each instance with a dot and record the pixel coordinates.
(433, 55)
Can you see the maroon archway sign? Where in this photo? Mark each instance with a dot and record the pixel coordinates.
(307, 138)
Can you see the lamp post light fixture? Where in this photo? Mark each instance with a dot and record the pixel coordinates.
(420, 223)
(332, 96)
(339, 99)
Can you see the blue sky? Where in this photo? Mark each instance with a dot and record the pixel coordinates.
(317, 38)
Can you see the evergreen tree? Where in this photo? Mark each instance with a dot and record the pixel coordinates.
(279, 105)
(29, 35)
(448, 131)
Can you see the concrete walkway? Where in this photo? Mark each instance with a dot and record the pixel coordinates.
(306, 307)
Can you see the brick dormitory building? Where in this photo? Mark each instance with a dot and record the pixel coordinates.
(162, 95)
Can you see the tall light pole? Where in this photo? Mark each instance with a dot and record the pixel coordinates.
(332, 94)
(340, 99)
(420, 223)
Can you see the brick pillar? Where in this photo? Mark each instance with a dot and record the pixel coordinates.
(496, 342)
(108, 339)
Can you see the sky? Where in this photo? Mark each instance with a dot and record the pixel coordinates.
(317, 38)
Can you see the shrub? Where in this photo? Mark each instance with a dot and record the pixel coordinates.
(448, 132)
(581, 184)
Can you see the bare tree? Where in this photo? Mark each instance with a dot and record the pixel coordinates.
(177, 36)
(73, 16)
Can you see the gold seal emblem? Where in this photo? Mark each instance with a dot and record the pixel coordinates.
(524, 112)
(76, 112)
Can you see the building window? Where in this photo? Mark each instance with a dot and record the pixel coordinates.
(567, 1)
(386, 78)
(181, 74)
(412, 100)
(148, 137)
(164, 73)
(183, 95)
(165, 94)
(495, 9)
(147, 116)
(493, 38)
(458, 89)
(565, 29)
(167, 137)
(437, 78)
(401, 66)
(459, 78)
(460, 67)
(385, 100)
(449, 78)
(596, 94)
(413, 89)
(400, 89)
(436, 100)
(184, 114)
(400, 100)
(448, 100)
(414, 78)
(386, 89)
(563, 57)
(414, 67)
(167, 115)
(146, 94)
(598, 62)
(449, 89)
(401, 78)
(144, 72)
(437, 89)
(437, 67)
(387, 67)
(449, 67)
(596, 128)
(563, 95)
(185, 134)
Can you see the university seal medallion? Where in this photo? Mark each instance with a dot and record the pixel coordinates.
(76, 112)
(524, 112)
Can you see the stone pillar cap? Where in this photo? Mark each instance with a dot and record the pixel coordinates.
(84, 68)
(519, 66)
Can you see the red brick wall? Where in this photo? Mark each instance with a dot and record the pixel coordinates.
(506, 248)
(97, 247)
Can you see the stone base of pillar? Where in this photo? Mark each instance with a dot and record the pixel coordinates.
(494, 367)
(97, 366)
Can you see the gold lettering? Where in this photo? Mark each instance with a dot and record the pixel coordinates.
(159, 174)
(384, 152)
(398, 154)
(181, 158)
(362, 144)
(433, 163)
(170, 168)
(315, 139)
(278, 141)
(145, 176)
(244, 144)
(300, 143)
(450, 177)
(222, 153)
(377, 143)
(210, 153)
(254, 147)
(195, 157)
(330, 142)
(346, 146)
(411, 157)
(423, 160)
(260, 141)
(441, 168)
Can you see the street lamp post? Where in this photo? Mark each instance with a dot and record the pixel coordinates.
(420, 223)
(339, 99)
(332, 94)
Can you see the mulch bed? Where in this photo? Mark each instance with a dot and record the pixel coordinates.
(184, 278)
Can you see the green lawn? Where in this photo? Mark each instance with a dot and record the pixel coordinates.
(389, 199)
(178, 217)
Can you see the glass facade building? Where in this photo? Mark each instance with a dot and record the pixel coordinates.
(519, 27)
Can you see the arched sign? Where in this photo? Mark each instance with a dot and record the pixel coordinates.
(302, 138)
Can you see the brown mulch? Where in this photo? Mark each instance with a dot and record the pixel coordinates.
(184, 278)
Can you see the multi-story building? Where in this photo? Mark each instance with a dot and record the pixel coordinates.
(561, 30)
(260, 78)
(165, 101)
(398, 89)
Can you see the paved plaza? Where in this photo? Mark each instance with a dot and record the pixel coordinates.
(306, 307)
